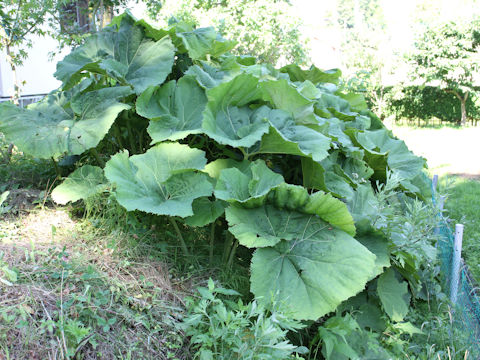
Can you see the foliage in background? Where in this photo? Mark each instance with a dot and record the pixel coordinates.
(264, 28)
(365, 51)
(428, 102)
(363, 32)
(448, 54)
(19, 20)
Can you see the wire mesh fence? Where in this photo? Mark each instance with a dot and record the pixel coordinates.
(466, 310)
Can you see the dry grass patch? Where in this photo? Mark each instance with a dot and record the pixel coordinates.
(68, 292)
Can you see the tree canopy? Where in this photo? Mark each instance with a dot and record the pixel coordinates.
(262, 28)
(448, 55)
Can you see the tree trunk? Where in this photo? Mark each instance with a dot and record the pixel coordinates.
(82, 16)
(463, 105)
(464, 113)
(16, 85)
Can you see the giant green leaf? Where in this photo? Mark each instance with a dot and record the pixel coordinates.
(285, 137)
(321, 177)
(284, 96)
(364, 207)
(313, 270)
(127, 55)
(393, 295)
(205, 212)
(175, 109)
(249, 187)
(324, 205)
(265, 225)
(162, 181)
(207, 75)
(399, 159)
(215, 168)
(314, 74)
(335, 106)
(81, 184)
(51, 128)
(378, 245)
(203, 41)
(228, 118)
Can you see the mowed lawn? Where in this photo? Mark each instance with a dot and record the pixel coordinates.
(454, 154)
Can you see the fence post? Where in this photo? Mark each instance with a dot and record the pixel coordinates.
(435, 182)
(456, 262)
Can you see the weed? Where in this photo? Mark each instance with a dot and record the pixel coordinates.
(222, 328)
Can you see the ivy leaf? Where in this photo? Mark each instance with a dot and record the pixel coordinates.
(175, 109)
(162, 181)
(228, 119)
(81, 184)
(393, 295)
(285, 137)
(314, 271)
(51, 128)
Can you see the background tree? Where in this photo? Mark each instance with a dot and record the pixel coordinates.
(365, 54)
(68, 21)
(19, 19)
(76, 19)
(449, 55)
(263, 28)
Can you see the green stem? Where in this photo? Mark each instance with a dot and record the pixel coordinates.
(180, 237)
(130, 137)
(212, 238)
(245, 155)
(57, 169)
(140, 139)
(232, 254)
(100, 161)
(118, 135)
(227, 246)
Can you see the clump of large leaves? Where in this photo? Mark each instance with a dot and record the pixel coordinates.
(193, 132)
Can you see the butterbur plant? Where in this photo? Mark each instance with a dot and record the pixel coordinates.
(188, 131)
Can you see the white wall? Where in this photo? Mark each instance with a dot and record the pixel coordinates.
(37, 70)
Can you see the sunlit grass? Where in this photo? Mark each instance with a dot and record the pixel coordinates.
(463, 207)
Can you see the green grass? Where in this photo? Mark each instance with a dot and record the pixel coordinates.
(463, 207)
